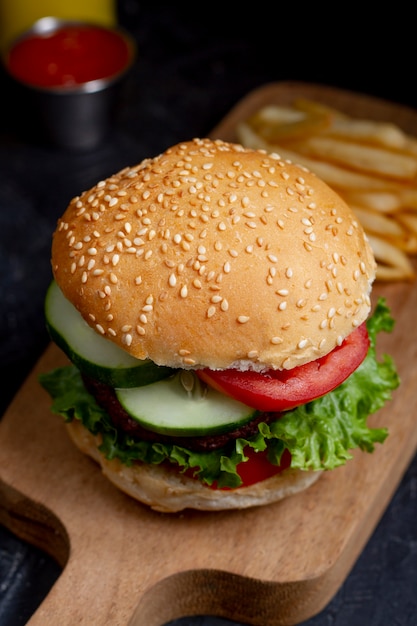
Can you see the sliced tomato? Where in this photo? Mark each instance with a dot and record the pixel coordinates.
(255, 469)
(280, 390)
(258, 468)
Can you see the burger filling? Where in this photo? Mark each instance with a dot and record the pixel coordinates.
(308, 418)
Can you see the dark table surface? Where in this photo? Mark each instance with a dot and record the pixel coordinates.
(194, 63)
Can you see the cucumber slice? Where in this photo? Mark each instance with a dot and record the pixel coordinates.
(182, 406)
(93, 354)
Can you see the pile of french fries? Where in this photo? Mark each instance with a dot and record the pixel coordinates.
(371, 164)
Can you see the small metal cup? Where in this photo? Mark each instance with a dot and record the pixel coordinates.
(77, 117)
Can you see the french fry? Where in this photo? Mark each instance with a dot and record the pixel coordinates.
(378, 223)
(367, 131)
(378, 201)
(408, 220)
(283, 124)
(388, 273)
(388, 228)
(362, 157)
(275, 114)
(312, 106)
(392, 263)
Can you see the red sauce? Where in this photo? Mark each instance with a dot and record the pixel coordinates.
(72, 55)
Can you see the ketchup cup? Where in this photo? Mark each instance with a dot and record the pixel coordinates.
(69, 76)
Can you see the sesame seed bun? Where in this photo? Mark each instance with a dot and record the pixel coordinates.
(168, 491)
(214, 255)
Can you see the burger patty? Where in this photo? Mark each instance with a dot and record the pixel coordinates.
(106, 397)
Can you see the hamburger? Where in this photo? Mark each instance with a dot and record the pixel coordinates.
(214, 304)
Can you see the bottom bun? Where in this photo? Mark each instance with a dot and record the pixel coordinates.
(170, 491)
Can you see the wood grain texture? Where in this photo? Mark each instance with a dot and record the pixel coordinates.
(124, 564)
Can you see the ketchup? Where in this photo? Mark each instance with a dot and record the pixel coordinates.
(71, 55)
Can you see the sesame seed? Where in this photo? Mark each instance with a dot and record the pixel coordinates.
(242, 319)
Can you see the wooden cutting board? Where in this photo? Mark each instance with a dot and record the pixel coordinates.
(270, 566)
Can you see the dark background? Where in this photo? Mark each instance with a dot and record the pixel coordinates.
(194, 63)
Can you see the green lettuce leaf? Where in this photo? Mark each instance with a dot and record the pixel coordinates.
(319, 435)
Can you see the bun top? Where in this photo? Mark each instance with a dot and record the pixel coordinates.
(215, 255)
